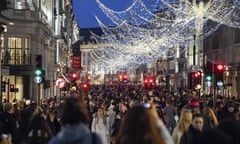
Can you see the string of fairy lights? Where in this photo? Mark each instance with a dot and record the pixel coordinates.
(142, 33)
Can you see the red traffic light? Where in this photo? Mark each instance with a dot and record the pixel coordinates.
(220, 67)
(149, 81)
(125, 77)
(85, 86)
(74, 75)
(145, 80)
(11, 86)
(12, 89)
(197, 74)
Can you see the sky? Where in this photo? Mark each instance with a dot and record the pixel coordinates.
(86, 10)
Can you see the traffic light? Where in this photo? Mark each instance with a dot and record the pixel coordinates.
(3, 86)
(123, 77)
(149, 82)
(219, 72)
(219, 68)
(12, 88)
(38, 62)
(85, 86)
(208, 78)
(38, 72)
(38, 66)
(74, 76)
(196, 79)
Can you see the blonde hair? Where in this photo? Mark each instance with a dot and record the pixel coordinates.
(211, 115)
(185, 120)
(182, 125)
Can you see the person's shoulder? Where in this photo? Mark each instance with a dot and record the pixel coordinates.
(54, 140)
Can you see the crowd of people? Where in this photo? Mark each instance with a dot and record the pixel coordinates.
(122, 114)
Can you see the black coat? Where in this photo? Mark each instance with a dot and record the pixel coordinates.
(9, 124)
(191, 136)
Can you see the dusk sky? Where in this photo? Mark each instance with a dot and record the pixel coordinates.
(85, 10)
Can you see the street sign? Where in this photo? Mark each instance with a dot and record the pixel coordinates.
(60, 83)
(37, 79)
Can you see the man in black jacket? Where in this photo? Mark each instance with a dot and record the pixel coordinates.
(192, 135)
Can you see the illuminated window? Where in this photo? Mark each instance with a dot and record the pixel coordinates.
(18, 51)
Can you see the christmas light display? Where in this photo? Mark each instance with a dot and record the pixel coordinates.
(142, 34)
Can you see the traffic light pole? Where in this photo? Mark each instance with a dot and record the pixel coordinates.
(214, 87)
(38, 95)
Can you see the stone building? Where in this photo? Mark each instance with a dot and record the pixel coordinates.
(34, 28)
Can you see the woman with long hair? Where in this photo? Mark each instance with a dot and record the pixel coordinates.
(142, 126)
(182, 125)
(100, 125)
(211, 120)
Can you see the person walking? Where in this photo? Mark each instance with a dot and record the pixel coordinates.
(100, 125)
(142, 126)
(182, 125)
(74, 129)
(9, 121)
(170, 112)
(193, 134)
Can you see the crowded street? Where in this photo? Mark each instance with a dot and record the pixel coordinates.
(120, 72)
(25, 122)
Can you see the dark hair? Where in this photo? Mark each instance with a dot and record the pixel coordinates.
(197, 115)
(74, 111)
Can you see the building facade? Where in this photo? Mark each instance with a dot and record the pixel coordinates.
(34, 28)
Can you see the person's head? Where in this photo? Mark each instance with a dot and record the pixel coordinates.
(122, 107)
(52, 105)
(208, 111)
(101, 112)
(231, 107)
(197, 122)
(74, 111)
(185, 120)
(7, 107)
(139, 126)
